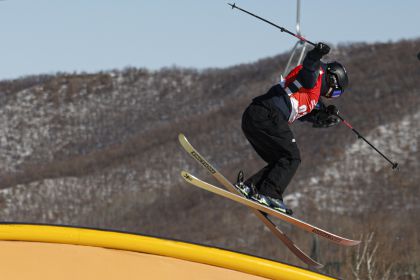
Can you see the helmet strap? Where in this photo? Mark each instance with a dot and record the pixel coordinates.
(329, 92)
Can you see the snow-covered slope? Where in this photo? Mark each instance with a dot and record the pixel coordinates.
(346, 184)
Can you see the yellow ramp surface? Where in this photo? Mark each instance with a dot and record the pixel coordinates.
(30, 260)
(56, 252)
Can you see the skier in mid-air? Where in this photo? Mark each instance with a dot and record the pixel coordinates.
(266, 121)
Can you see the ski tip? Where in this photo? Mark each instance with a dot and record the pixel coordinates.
(181, 138)
(351, 242)
(357, 242)
(187, 177)
(317, 265)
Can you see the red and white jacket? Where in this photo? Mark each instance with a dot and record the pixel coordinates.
(303, 100)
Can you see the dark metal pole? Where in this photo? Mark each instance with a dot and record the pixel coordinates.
(282, 29)
(394, 164)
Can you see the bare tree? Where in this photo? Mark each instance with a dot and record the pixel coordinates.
(365, 264)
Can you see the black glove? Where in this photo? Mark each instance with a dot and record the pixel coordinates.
(331, 120)
(322, 49)
(326, 117)
(332, 110)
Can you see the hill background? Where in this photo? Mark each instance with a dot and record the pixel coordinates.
(101, 150)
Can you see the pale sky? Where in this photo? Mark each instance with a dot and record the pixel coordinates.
(45, 36)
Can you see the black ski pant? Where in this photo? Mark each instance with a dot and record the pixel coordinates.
(268, 131)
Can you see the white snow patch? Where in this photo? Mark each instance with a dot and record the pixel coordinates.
(398, 140)
(292, 200)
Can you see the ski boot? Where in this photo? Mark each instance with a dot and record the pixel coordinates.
(245, 190)
(274, 203)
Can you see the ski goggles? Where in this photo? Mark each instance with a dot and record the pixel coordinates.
(336, 92)
(333, 83)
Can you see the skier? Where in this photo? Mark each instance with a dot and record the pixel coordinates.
(266, 121)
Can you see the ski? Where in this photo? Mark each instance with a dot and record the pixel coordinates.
(248, 202)
(267, 222)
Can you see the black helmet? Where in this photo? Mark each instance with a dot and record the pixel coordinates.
(337, 79)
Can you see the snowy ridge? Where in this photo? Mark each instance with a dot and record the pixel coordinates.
(347, 180)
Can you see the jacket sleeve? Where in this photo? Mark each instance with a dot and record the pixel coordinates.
(309, 73)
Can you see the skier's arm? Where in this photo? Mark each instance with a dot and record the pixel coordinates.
(309, 73)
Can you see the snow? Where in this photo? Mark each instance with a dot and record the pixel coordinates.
(359, 166)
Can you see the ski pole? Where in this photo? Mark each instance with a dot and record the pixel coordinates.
(394, 164)
(282, 29)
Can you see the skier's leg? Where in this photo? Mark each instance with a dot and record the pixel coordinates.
(277, 177)
(273, 140)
